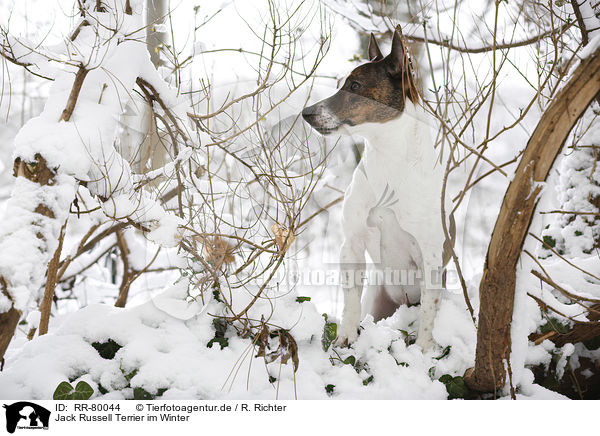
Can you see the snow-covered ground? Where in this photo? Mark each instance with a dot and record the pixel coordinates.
(166, 345)
(168, 357)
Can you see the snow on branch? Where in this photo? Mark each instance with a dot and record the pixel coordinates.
(28, 55)
(74, 141)
(587, 19)
(365, 18)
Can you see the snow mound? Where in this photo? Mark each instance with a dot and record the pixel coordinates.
(146, 352)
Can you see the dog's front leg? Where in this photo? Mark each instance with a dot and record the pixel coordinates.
(431, 294)
(430, 301)
(352, 259)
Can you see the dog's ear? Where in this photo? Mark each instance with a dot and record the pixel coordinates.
(400, 66)
(398, 57)
(374, 52)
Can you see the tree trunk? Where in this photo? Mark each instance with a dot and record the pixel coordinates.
(37, 172)
(8, 322)
(44, 178)
(156, 12)
(152, 154)
(497, 288)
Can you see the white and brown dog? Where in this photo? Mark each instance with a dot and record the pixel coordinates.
(392, 207)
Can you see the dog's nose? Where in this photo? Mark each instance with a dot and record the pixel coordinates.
(309, 113)
(312, 111)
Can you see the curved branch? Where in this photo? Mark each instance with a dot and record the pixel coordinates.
(488, 48)
(497, 288)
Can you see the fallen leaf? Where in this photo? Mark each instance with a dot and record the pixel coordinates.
(283, 237)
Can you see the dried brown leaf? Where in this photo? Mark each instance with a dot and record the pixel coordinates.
(283, 237)
(216, 250)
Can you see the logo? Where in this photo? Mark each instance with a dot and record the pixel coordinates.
(26, 415)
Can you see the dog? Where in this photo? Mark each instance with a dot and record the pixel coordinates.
(392, 207)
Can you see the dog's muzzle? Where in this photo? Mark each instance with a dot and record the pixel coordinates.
(320, 118)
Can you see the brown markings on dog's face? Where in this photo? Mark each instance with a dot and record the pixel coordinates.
(369, 94)
(375, 92)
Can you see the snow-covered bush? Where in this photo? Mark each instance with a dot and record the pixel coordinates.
(193, 198)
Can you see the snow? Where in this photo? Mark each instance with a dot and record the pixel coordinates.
(22, 252)
(166, 347)
(590, 21)
(58, 145)
(591, 47)
(165, 330)
(82, 149)
(33, 319)
(171, 352)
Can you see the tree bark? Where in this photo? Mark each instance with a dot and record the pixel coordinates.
(51, 276)
(8, 322)
(38, 172)
(127, 273)
(497, 288)
(156, 12)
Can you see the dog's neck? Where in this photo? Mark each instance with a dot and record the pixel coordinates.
(405, 138)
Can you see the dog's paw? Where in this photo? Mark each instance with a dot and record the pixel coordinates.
(426, 344)
(346, 336)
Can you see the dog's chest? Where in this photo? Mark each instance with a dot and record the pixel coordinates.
(404, 168)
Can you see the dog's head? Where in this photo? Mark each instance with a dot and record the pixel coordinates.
(374, 92)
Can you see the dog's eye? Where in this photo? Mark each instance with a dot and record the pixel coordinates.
(355, 86)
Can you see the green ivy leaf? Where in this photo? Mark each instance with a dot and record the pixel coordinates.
(302, 299)
(329, 334)
(83, 391)
(409, 338)
(220, 326)
(350, 360)
(142, 394)
(549, 241)
(217, 295)
(554, 325)
(444, 353)
(455, 386)
(108, 349)
(329, 389)
(102, 390)
(367, 380)
(131, 375)
(63, 391)
(223, 342)
(592, 344)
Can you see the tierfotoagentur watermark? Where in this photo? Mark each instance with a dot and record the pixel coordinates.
(345, 278)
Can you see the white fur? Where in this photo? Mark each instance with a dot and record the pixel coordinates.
(399, 154)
